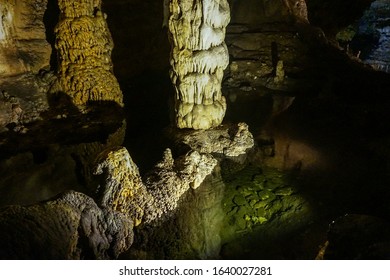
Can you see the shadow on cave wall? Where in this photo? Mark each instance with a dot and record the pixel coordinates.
(50, 19)
(141, 65)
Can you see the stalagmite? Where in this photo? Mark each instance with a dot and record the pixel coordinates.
(156, 197)
(198, 57)
(84, 47)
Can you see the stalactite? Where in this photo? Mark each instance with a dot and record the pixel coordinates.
(199, 56)
(84, 47)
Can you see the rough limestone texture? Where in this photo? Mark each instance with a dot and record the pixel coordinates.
(157, 196)
(84, 45)
(198, 58)
(69, 227)
(297, 9)
(228, 140)
(192, 232)
(23, 45)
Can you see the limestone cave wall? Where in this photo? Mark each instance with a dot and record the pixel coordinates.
(23, 45)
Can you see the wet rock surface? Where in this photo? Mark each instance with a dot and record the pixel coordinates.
(257, 201)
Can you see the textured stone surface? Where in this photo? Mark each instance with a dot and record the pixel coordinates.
(53, 157)
(227, 140)
(23, 45)
(198, 58)
(84, 46)
(158, 194)
(256, 52)
(192, 232)
(69, 227)
(22, 100)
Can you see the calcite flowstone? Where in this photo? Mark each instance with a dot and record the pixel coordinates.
(198, 57)
(69, 227)
(155, 197)
(84, 46)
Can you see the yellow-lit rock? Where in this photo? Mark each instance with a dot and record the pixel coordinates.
(23, 45)
(84, 46)
(122, 189)
(199, 56)
(157, 196)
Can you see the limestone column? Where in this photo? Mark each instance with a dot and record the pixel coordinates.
(84, 45)
(198, 57)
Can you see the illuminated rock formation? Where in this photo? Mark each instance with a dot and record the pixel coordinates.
(84, 47)
(298, 9)
(198, 57)
(23, 45)
(69, 227)
(123, 189)
(226, 140)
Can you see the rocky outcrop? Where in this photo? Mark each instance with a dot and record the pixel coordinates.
(84, 46)
(225, 140)
(198, 58)
(155, 197)
(69, 227)
(73, 226)
(23, 45)
(192, 232)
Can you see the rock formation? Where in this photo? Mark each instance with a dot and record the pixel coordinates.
(84, 47)
(226, 140)
(23, 45)
(69, 227)
(73, 226)
(123, 189)
(298, 9)
(198, 58)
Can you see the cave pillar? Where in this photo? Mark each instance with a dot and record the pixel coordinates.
(198, 57)
(84, 46)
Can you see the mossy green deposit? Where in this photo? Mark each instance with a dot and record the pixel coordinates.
(256, 196)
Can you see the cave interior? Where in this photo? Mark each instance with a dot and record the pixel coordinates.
(309, 78)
